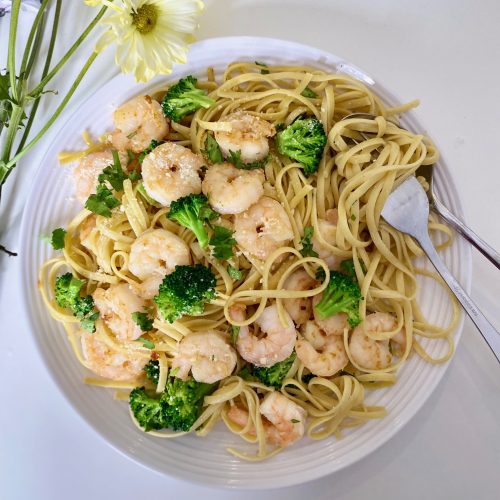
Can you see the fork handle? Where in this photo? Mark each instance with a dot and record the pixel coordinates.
(489, 252)
(486, 329)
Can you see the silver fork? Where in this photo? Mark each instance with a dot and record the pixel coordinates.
(426, 171)
(407, 210)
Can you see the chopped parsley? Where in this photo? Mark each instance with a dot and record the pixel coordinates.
(146, 343)
(307, 92)
(212, 150)
(153, 144)
(235, 159)
(222, 241)
(57, 238)
(143, 320)
(264, 70)
(305, 241)
(114, 173)
(234, 331)
(102, 202)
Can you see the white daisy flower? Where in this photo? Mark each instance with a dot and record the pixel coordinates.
(150, 35)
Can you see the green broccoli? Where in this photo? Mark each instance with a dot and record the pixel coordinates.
(273, 376)
(192, 211)
(67, 295)
(182, 402)
(303, 141)
(185, 291)
(67, 290)
(341, 295)
(152, 370)
(347, 267)
(184, 98)
(148, 409)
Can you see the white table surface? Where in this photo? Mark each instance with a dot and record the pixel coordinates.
(447, 53)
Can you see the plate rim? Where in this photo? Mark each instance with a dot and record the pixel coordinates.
(200, 47)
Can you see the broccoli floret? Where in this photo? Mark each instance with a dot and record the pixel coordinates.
(192, 211)
(185, 291)
(303, 141)
(67, 295)
(67, 290)
(182, 402)
(341, 295)
(148, 410)
(83, 306)
(152, 370)
(273, 376)
(184, 98)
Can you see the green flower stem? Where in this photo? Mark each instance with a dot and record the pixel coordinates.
(39, 88)
(14, 121)
(7, 168)
(32, 45)
(11, 54)
(48, 59)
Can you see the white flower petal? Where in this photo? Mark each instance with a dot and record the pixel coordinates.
(152, 53)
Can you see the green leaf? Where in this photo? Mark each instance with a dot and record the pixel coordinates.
(143, 320)
(307, 92)
(88, 323)
(294, 421)
(57, 238)
(233, 272)
(146, 343)
(263, 71)
(113, 174)
(102, 201)
(234, 331)
(307, 247)
(235, 159)
(5, 100)
(222, 241)
(246, 374)
(212, 150)
(154, 144)
(320, 274)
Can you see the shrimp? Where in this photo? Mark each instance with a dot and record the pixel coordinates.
(116, 305)
(108, 362)
(328, 230)
(249, 135)
(88, 169)
(207, 354)
(370, 353)
(284, 420)
(333, 325)
(324, 355)
(263, 228)
(170, 172)
(137, 123)
(155, 254)
(300, 309)
(231, 190)
(276, 346)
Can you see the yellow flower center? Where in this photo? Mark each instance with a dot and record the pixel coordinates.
(144, 18)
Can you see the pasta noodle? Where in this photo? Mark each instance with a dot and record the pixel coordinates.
(365, 158)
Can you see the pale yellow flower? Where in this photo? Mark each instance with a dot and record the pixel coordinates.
(150, 35)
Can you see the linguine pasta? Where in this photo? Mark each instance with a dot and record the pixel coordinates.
(365, 158)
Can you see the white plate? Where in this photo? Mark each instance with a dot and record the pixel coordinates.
(206, 461)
